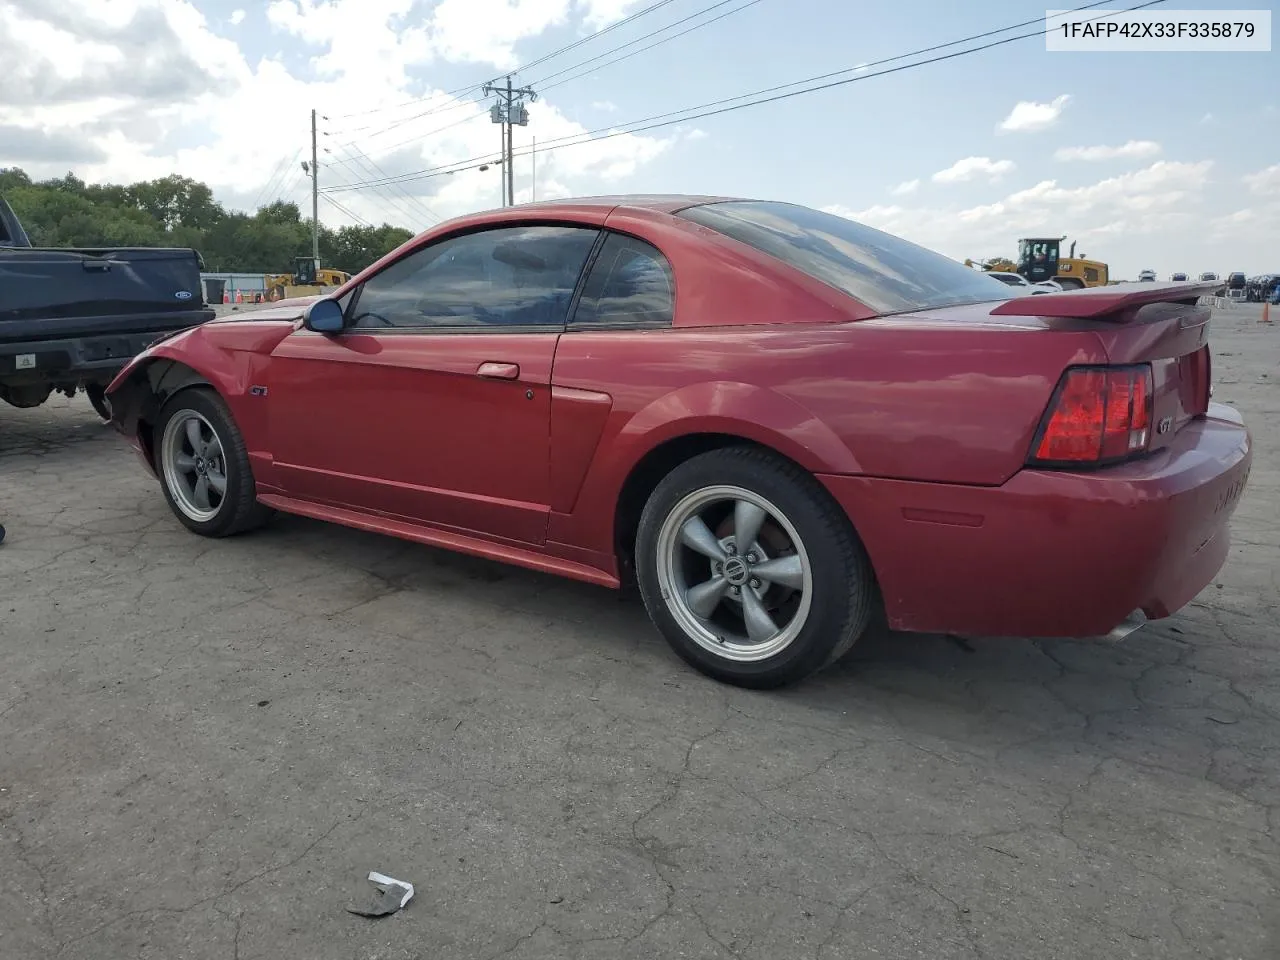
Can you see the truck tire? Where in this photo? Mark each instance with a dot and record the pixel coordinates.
(97, 395)
(25, 396)
(203, 466)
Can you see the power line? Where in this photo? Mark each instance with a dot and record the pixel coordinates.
(280, 168)
(542, 84)
(429, 133)
(524, 66)
(453, 106)
(418, 202)
(456, 92)
(411, 207)
(290, 183)
(341, 209)
(443, 108)
(384, 201)
(717, 107)
(587, 39)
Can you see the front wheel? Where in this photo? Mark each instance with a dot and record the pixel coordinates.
(750, 570)
(204, 468)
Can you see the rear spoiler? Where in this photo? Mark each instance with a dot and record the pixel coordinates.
(1103, 303)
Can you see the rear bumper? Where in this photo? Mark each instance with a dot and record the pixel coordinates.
(95, 358)
(1054, 553)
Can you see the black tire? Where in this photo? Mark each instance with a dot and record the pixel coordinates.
(842, 582)
(1069, 283)
(97, 395)
(238, 510)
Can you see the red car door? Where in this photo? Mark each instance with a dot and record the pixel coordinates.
(434, 404)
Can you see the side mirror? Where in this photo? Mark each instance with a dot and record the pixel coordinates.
(324, 316)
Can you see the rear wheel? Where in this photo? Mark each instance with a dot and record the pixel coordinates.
(204, 466)
(1069, 283)
(750, 570)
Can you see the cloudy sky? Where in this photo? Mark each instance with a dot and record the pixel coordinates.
(1169, 161)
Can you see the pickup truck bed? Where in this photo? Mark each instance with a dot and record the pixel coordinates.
(72, 318)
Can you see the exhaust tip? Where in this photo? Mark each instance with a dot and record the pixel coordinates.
(1130, 624)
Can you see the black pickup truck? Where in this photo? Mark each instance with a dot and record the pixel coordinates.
(70, 318)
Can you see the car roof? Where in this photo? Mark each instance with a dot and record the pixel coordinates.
(569, 206)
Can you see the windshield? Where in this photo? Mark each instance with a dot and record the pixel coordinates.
(887, 273)
(1036, 251)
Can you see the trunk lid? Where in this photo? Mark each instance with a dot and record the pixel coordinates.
(56, 288)
(1161, 324)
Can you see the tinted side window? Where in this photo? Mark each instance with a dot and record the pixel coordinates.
(887, 273)
(630, 283)
(511, 276)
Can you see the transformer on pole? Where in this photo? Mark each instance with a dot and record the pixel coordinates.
(510, 110)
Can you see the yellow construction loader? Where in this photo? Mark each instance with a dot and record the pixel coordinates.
(993, 264)
(1040, 258)
(308, 279)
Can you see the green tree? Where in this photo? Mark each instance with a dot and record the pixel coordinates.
(180, 212)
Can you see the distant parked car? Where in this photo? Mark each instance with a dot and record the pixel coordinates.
(1256, 289)
(1147, 276)
(783, 424)
(1208, 275)
(1009, 279)
(1021, 285)
(1179, 278)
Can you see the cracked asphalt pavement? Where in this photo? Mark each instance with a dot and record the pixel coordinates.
(205, 746)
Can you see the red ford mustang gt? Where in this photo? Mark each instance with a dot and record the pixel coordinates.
(779, 421)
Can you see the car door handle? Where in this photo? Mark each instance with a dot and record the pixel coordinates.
(499, 371)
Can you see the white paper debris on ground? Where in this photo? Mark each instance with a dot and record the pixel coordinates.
(393, 895)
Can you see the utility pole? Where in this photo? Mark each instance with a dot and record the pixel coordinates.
(315, 197)
(510, 111)
(533, 164)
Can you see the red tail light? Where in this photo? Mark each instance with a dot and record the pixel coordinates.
(1098, 415)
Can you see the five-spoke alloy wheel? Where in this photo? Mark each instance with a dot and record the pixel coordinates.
(194, 464)
(750, 569)
(204, 466)
(735, 573)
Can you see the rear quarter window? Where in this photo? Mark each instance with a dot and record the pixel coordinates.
(887, 273)
(630, 285)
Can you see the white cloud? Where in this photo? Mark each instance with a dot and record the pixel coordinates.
(608, 106)
(970, 168)
(138, 89)
(236, 18)
(601, 13)
(1133, 149)
(1249, 229)
(1027, 115)
(387, 35)
(1265, 182)
(1118, 219)
(906, 187)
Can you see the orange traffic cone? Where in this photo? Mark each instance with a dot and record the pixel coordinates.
(1266, 312)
